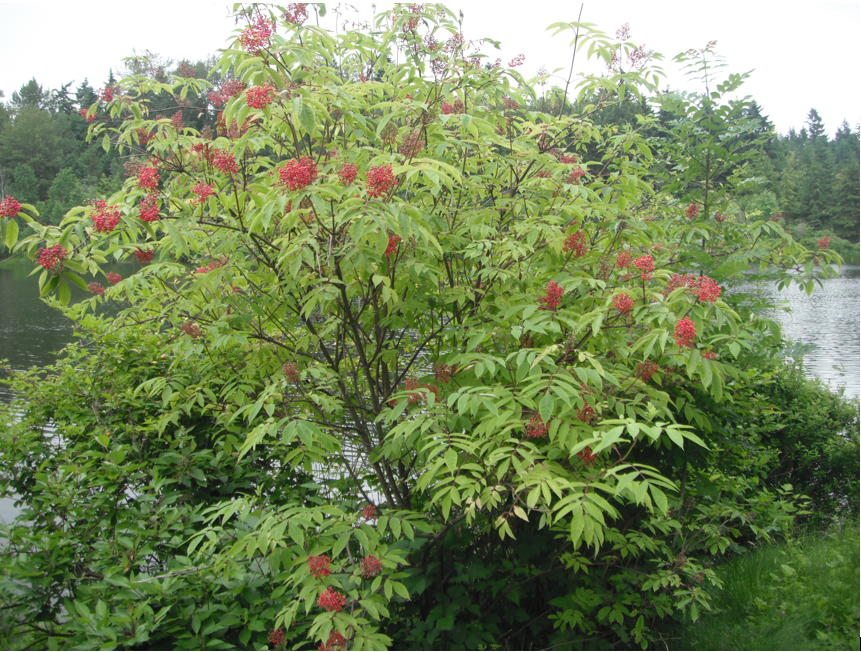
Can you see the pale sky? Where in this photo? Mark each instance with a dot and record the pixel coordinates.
(802, 55)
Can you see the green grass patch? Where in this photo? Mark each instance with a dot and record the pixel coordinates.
(797, 595)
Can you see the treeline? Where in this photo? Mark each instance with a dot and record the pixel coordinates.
(45, 159)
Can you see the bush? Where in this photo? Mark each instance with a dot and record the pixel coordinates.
(437, 380)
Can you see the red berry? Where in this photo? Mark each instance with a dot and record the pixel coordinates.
(319, 566)
(552, 297)
(331, 600)
(9, 207)
(380, 181)
(295, 175)
(371, 567)
(114, 278)
(685, 332)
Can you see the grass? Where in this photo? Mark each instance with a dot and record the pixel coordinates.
(797, 595)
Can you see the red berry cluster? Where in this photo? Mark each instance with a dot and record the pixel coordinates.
(824, 242)
(412, 144)
(256, 37)
(319, 566)
(148, 209)
(85, 113)
(203, 191)
(587, 414)
(144, 136)
(371, 567)
(297, 174)
(380, 180)
(645, 370)
(260, 97)
(370, 512)
(114, 278)
(335, 642)
(692, 211)
(680, 281)
(176, 121)
(296, 13)
(276, 637)
(331, 600)
(105, 218)
(224, 162)
(291, 372)
(148, 178)
(575, 175)
(230, 88)
(685, 332)
(575, 243)
(709, 355)
(707, 289)
(52, 258)
(623, 259)
(719, 218)
(552, 297)
(143, 256)
(443, 372)
(96, 288)
(185, 70)
(393, 245)
(347, 174)
(623, 303)
(536, 428)
(106, 94)
(646, 264)
(517, 61)
(9, 207)
(568, 159)
(191, 329)
(509, 104)
(587, 456)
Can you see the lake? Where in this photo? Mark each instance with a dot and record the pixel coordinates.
(31, 332)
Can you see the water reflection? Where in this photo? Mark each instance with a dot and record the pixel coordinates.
(827, 319)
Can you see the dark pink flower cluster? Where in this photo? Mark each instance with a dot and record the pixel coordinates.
(331, 600)
(370, 512)
(680, 281)
(85, 113)
(297, 174)
(9, 207)
(185, 70)
(96, 288)
(114, 278)
(685, 332)
(203, 191)
(575, 244)
(260, 97)
(105, 218)
(191, 329)
(52, 258)
(824, 242)
(692, 211)
(224, 162)
(568, 159)
(552, 297)
(517, 61)
(380, 180)
(371, 567)
(536, 428)
(709, 355)
(393, 245)
(148, 209)
(176, 121)
(347, 174)
(106, 94)
(256, 36)
(586, 414)
(143, 256)
(319, 566)
(623, 303)
(144, 136)
(719, 218)
(443, 372)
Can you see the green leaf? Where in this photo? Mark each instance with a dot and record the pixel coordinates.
(11, 236)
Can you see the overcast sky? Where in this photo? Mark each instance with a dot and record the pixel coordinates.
(801, 55)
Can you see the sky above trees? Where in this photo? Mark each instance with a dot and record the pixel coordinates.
(802, 55)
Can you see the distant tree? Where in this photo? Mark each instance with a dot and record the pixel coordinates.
(846, 205)
(24, 184)
(32, 139)
(65, 193)
(31, 94)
